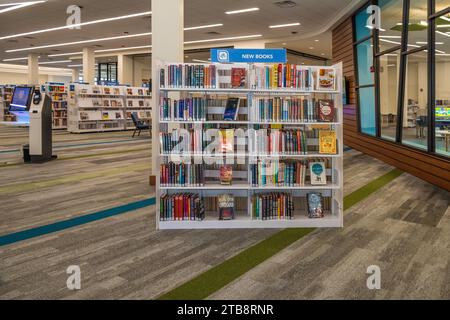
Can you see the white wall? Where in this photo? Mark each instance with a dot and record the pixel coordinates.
(18, 78)
(142, 70)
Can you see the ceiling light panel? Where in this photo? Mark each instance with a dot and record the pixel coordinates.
(242, 11)
(285, 25)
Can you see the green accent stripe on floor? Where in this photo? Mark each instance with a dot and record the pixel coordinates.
(221, 275)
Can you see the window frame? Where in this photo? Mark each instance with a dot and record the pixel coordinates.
(404, 52)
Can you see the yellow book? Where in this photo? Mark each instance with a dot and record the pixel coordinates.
(275, 76)
(327, 142)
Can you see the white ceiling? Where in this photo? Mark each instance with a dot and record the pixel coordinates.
(314, 16)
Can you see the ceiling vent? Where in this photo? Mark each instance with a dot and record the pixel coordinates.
(285, 4)
(213, 33)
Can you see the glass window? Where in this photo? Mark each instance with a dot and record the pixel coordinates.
(415, 114)
(391, 24)
(389, 76)
(362, 31)
(367, 110)
(365, 63)
(442, 112)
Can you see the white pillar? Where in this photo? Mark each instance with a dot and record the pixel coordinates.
(167, 46)
(125, 70)
(75, 75)
(88, 65)
(251, 44)
(33, 69)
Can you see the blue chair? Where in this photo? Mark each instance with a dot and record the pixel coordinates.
(140, 125)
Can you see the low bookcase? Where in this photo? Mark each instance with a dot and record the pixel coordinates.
(282, 148)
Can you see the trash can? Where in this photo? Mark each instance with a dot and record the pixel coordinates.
(26, 153)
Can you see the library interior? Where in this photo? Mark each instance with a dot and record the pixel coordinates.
(224, 150)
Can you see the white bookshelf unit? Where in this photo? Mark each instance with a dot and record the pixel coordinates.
(202, 183)
(137, 100)
(58, 94)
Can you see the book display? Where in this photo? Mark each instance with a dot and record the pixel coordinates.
(249, 146)
(58, 94)
(95, 108)
(138, 101)
(5, 98)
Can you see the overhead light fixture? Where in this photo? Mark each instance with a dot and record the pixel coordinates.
(445, 18)
(242, 11)
(317, 40)
(311, 48)
(224, 39)
(443, 26)
(284, 25)
(64, 54)
(439, 51)
(15, 59)
(55, 62)
(443, 33)
(18, 5)
(424, 42)
(391, 65)
(74, 65)
(204, 27)
(80, 42)
(78, 25)
(123, 48)
(391, 37)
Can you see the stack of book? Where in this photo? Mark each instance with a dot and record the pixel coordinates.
(273, 206)
(282, 174)
(273, 142)
(189, 109)
(176, 142)
(293, 110)
(188, 76)
(182, 175)
(279, 76)
(181, 206)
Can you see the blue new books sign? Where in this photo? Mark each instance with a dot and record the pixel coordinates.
(249, 55)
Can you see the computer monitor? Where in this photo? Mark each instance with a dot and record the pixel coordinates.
(21, 99)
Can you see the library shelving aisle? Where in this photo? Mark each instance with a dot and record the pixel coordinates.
(58, 95)
(249, 146)
(6, 92)
(95, 108)
(137, 100)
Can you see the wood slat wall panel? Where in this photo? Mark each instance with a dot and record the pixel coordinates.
(433, 169)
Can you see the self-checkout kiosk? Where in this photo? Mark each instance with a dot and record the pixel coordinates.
(39, 108)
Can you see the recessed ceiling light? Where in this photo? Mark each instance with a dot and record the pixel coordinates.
(81, 42)
(78, 25)
(322, 54)
(284, 43)
(311, 48)
(285, 25)
(204, 27)
(224, 39)
(55, 62)
(317, 40)
(242, 11)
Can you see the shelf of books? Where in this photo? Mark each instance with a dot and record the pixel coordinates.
(138, 101)
(95, 108)
(6, 92)
(58, 94)
(249, 146)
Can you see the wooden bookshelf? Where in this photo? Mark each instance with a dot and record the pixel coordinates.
(242, 188)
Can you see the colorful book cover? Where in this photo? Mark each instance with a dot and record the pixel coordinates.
(326, 79)
(226, 207)
(318, 173)
(226, 175)
(238, 77)
(327, 142)
(315, 205)
(326, 111)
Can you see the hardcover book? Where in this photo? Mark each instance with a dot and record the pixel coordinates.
(238, 77)
(226, 207)
(227, 143)
(318, 173)
(315, 205)
(326, 111)
(326, 79)
(226, 174)
(232, 109)
(327, 142)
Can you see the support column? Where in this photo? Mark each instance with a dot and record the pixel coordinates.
(167, 46)
(89, 65)
(125, 70)
(75, 75)
(33, 69)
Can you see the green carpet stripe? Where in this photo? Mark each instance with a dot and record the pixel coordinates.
(364, 192)
(221, 275)
(83, 156)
